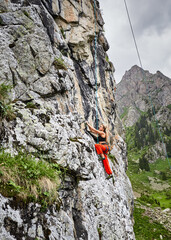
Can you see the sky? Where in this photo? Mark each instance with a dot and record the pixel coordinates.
(151, 20)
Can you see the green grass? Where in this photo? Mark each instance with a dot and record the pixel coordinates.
(162, 165)
(141, 183)
(125, 112)
(163, 197)
(146, 200)
(146, 229)
(28, 178)
(107, 58)
(59, 63)
(63, 33)
(5, 107)
(160, 199)
(6, 112)
(140, 180)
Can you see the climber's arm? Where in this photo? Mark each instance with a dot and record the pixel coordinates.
(93, 130)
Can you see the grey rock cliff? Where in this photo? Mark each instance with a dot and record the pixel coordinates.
(47, 55)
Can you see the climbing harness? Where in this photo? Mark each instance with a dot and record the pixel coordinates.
(95, 67)
(147, 89)
(107, 149)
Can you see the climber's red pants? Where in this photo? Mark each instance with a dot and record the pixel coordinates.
(103, 149)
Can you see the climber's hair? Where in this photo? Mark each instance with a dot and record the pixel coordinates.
(104, 127)
(106, 132)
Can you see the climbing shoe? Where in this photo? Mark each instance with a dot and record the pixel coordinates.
(109, 177)
(101, 158)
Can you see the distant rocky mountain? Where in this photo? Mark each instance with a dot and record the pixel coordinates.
(137, 92)
(148, 167)
(137, 89)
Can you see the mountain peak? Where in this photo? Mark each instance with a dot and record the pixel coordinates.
(136, 67)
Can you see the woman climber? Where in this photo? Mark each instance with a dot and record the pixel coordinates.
(102, 147)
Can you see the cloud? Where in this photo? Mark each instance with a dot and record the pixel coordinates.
(152, 26)
(150, 14)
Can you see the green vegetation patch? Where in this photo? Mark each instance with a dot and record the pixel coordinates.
(27, 14)
(113, 159)
(140, 180)
(169, 106)
(147, 199)
(143, 164)
(31, 105)
(5, 107)
(4, 90)
(28, 178)
(146, 229)
(125, 112)
(161, 165)
(130, 138)
(100, 233)
(63, 33)
(163, 197)
(59, 63)
(107, 58)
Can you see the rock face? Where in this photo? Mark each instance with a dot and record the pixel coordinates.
(134, 88)
(47, 55)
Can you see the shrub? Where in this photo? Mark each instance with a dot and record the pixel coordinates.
(163, 175)
(143, 164)
(4, 90)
